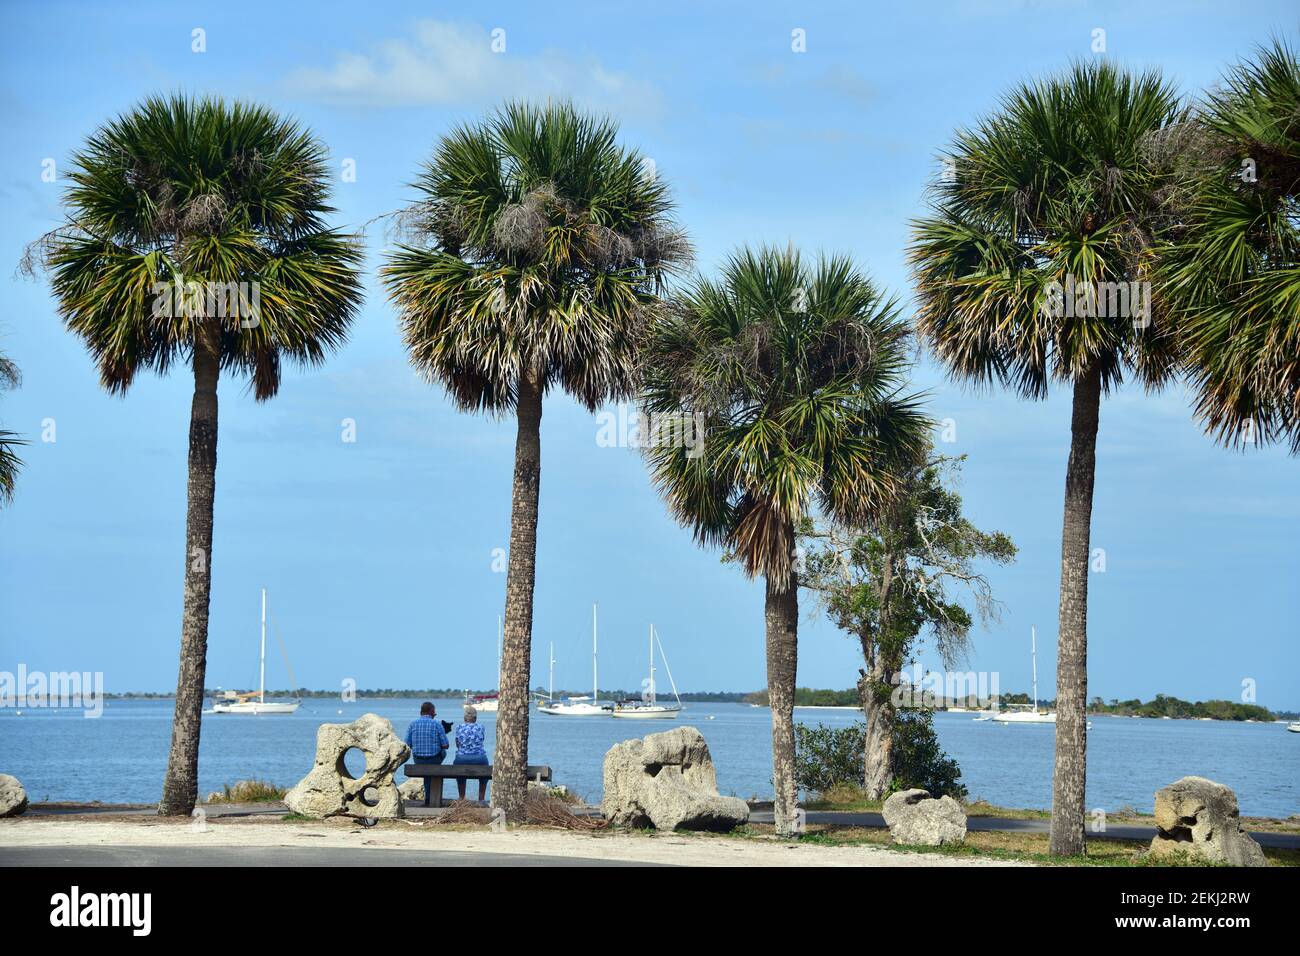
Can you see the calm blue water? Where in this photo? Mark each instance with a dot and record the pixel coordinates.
(121, 756)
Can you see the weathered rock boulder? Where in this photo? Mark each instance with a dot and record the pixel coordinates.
(13, 798)
(1199, 817)
(329, 790)
(412, 789)
(668, 781)
(918, 819)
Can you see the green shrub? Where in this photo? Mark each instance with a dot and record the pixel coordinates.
(918, 759)
(827, 757)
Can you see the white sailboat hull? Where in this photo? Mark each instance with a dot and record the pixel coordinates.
(255, 707)
(1025, 717)
(646, 712)
(485, 706)
(572, 710)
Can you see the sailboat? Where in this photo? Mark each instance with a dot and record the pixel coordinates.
(250, 702)
(648, 708)
(579, 706)
(1034, 715)
(550, 685)
(487, 703)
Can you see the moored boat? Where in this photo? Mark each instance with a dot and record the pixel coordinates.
(255, 702)
(648, 707)
(1025, 713)
(582, 706)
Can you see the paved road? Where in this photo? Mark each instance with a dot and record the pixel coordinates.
(272, 856)
(1283, 841)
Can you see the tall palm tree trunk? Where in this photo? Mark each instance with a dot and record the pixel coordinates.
(1070, 773)
(181, 785)
(878, 754)
(510, 763)
(782, 620)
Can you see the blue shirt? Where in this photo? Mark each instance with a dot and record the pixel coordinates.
(469, 740)
(425, 736)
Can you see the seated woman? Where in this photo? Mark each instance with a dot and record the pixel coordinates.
(469, 749)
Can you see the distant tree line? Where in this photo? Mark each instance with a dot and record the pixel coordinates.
(1162, 706)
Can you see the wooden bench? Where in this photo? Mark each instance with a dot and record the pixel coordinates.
(460, 771)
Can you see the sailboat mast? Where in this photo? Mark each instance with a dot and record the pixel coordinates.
(595, 679)
(669, 669)
(1033, 645)
(652, 664)
(550, 687)
(261, 678)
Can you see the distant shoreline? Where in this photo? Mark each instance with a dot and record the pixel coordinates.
(706, 697)
(1199, 709)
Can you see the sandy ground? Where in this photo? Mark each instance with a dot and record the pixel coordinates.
(398, 836)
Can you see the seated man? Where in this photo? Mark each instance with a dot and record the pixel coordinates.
(469, 749)
(427, 740)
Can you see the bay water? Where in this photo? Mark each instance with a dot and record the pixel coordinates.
(120, 757)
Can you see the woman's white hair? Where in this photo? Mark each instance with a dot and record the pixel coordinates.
(471, 715)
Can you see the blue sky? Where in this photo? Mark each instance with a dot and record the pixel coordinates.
(379, 553)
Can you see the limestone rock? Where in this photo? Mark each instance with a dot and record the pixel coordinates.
(916, 818)
(1200, 817)
(330, 791)
(667, 780)
(412, 789)
(13, 798)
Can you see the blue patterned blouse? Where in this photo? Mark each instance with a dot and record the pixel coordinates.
(469, 740)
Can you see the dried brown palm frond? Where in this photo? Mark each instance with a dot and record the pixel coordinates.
(547, 810)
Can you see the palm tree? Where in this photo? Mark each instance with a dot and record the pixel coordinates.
(794, 372)
(1023, 272)
(196, 233)
(10, 463)
(1233, 267)
(543, 243)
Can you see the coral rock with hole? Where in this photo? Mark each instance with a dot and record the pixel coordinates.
(1200, 818)
(329, 790)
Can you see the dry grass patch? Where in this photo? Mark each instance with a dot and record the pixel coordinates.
(249, 791)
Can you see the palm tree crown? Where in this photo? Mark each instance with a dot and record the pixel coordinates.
(1053, 188)
(1234, 265)
(545, 243)
(796, 372)
(1036, 265)
(182, 191)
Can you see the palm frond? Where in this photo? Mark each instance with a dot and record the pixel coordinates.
(796, 370)
(1054, 188)
(543, 246)
(229, 199)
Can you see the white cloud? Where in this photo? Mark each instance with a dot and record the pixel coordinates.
(451, 64)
